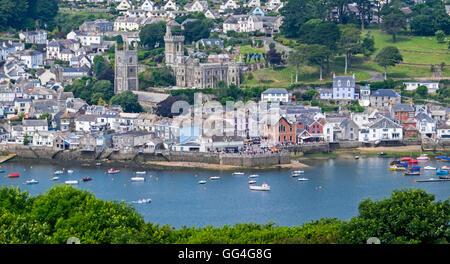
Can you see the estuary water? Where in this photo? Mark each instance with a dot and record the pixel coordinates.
(334, 189)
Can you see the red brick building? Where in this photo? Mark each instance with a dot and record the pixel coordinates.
(283, 132)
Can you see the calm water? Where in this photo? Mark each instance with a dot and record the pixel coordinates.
(177, 198)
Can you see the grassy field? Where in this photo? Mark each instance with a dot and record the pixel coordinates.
(414, 49)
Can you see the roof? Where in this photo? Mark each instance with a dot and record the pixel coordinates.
(384, 122)
(385, 93)
(275, 91)
(87, 118)
(344, 81)
(34, 122)
(423, 117)
(402, 108)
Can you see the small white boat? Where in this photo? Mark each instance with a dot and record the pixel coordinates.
(137, 179)
(356, 157)
(263, 187)
(254, 176)
(251, 182)
(238, 173)
(445, 168)
(141, 172)
(298, 172)
(429, 168)
(302, 179)
(202, 182)
(55, 178)
(113, 171)
(58, 172)
(71, 182)
(32, 181)
(423, 157)
(70, 171)
(98, 164)
(214, 177)
(143, 201)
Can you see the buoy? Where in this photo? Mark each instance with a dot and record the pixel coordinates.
(90, 185)
(31, 167)
(125, 185)
(204, 188)
(414, 180)
(156, 178)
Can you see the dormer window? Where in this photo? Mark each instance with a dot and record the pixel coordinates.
(339, 83)
(348, 83)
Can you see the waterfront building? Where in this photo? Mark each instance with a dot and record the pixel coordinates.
(275, 95)
(383, 98)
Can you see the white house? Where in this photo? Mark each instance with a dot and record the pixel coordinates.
(443, 130)
(381, 129)
(170, 6)
(275, 95)
(253, 3)
(43, 138)
(344, 88)
(431, 86)
(425, 125)
(34, 37)
(148, 5)
(34, 125)
(86, 123)
(124, 5)
(228, 5)
(196, 6)
(31, 58)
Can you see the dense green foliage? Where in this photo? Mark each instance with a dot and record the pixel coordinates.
(152, 35)
(27, 14)
(408, 216)
(156, 78)
(128, 101)
(91, 89)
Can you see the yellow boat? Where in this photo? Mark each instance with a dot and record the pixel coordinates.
(395, 168)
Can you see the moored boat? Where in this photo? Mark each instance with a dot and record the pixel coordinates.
(440, 157)
(13, 175)
(444, 177)
(423, 157)
(137, 179)
(98, 164)
(441, 172)
(71, 182)
(395, 162)
(238, 173)
(302, 179)
(201, 182)
(263, 187)
(445, 168)
(214, 177)
(397, 168)
(141, 172)
(113, 171)
(429, 168)
(382, 154)
(142, 201)
(416, 168)
(253, 176)
(405, 159)
(298, 172)
(251, 182)
(402, 164)
(85, 179)
(58, 172)
(70, 171)
(356, 157)
(55, 178)
(32, 181)
(2, 171)
(412, 173)
(412, 161)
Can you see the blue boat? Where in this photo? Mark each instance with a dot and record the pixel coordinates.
(414, 168)
(2, 171)
(441, 172)
(441, 157)
(402, 164)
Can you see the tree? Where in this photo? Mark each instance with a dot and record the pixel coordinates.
(440, 36)
(422, 91)
(295, 13)
(153, 33)
(273, 57)
(368, 46)
(422, 25)
(197, 29)
(297, 57)
(349, 43)
(99, 64)
(393, 23)
(388, 56)
(128, 101)
(317, 55)
(364, 7)
(164, 108)
(408, 216)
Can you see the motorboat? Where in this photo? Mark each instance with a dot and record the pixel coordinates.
(70, 171)
(55, 178)
(445, 168)
(405, 159)
(298, 172)
(412, 173)
(395, 162)
(98, 164)
(85, 179)
(415, 168)
(441, 172)
(58, 172)
(302, 179)
(137, 179)
(382, 154)
(412, 161)
(214, 177)
(397, 168)
(201, 182)
(238, 173)
(423, 157)
(141, 172)
(32, 181)
(2, 171)
(13, 175)
(444, 177)
(113, 171)
(263, 187)
(254, 176)
(402, 164)
(71, 182)
(429, 168)
(251, 182)
(440, 157)
(143, 201)
(356, 157)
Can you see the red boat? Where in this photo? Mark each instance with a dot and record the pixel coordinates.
(413, 161)
(405, 159)
(13, 175)
(113, 171)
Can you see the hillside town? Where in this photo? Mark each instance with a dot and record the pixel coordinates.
(36, 109)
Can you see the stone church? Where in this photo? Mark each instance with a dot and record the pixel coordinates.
(190, 73)
(126, 70)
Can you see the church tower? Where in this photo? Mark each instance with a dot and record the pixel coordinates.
(126, 70)
(174, 48)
